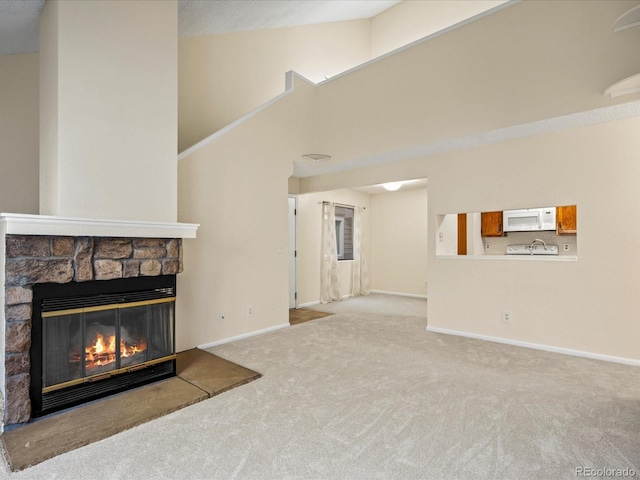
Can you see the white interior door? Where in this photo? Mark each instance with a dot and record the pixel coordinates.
(293, 302)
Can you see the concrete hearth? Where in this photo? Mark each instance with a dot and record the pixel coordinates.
(201, 375)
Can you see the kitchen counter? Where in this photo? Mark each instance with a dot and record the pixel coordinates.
(513, 258)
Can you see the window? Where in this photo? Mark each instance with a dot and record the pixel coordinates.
(344, 232)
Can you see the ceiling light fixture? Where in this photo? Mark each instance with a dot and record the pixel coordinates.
(629, 19)
(629, 85)
(392, 186)
(317, 157)
(624, 87)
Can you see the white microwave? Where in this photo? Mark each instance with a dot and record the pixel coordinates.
(529, 219)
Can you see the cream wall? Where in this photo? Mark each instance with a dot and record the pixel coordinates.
(235, 187)
(585, 305)
(399, 242)
(588, 305)
(209, 69)
(109, 118)
(510, 68)
(19, 133)
(411, 20)
(223, 77)
(309, 236)
(387, 107)
(251, 64)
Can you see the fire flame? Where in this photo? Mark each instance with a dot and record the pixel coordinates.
(104, 351)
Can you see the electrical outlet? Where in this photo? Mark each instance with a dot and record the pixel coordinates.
(506, 316)
(487, 246)
(250, 311)
(441, 236)
(565, 247)
(221, 316)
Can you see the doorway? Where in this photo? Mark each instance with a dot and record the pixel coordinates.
(396, 240)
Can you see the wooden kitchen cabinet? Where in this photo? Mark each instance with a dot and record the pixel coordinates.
(462, 234)
(567, 220)
(491, 224)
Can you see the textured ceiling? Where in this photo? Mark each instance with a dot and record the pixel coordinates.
(19, 26)
(205, 17)
(19, 18)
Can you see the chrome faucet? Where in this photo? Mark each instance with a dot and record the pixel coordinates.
(537, 240)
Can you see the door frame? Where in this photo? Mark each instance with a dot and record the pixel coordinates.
(292, 251)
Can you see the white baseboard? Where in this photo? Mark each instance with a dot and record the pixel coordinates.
(309, 304)
(537, 346)
(318, 302)
(381, 292)
(240, 337)
(399, 294)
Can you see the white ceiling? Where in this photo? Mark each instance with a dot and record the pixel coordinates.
(19, 18)
(19, 26)
(206, 17)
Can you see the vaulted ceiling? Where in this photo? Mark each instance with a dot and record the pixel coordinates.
(19, 18)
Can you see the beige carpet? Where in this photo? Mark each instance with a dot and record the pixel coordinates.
(377, 303)
(375, 396)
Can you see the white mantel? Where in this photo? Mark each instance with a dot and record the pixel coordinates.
(21, 224)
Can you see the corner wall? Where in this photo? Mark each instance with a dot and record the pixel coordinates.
(235, 187)
(223, 77)
(109, 109)
(19, 129)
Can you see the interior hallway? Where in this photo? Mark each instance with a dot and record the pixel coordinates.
(372, 303)
(377, 303)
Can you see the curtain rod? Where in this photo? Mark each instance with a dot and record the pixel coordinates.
(324, 202)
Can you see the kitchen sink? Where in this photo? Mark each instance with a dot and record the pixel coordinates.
(532, 249)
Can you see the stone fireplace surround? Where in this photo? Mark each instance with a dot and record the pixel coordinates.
(34, 249)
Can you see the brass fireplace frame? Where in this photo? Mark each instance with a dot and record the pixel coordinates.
(121, 294)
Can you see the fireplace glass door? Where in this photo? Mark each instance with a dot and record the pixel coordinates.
(87, 344)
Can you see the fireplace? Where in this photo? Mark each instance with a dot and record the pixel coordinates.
(93, 339)
(138, 262)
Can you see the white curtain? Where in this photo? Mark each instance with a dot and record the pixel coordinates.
(359, 268)
(329, 284)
